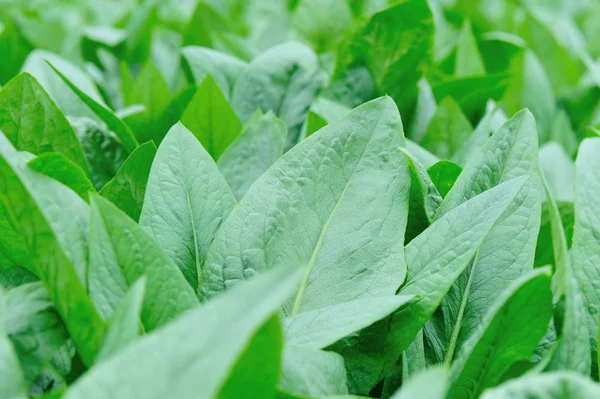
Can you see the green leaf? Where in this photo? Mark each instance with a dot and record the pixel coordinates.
(33, 123)
(150, 90)
(187, 200)
(562, 132)
(115, 124)
(559, 171)
(257, 148)
(509, 153)
(103, 152)
(211, 119)
(124, 324)
(585, 252)
(50, 242)
(544, 251)
(557, 385)
(208, 357)
(452, 242)
(12, 381)
(33, 326)
(468, 60)
(224, 68)
(15, 47)
(37, 65)
(312, 372)
(444, 174)
(313, 183)
(322, 22)
(509, 333)
(431, 384)
(424, 110)
(448, 130)
(319, 328)
(136, 254)
(127, 189)
(395, 45)
(284, 79)
(65, 171)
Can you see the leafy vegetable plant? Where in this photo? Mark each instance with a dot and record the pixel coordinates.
(299, 199)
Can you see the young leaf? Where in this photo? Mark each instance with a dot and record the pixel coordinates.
(211, 119)
(65, 171)
(136, 254)
(559, 171)
(33, 123)
(187, 200)
(49, 243)
(112, 121)
(127, 189)
(284, 79)
(508, 334)
(173, 362)
(557, 385)
(260, 144)
(124, 325)
(468, 60)
(302, 211)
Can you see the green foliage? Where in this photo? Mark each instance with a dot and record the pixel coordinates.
(299, 199)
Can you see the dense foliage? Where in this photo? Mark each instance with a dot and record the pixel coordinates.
(299, 199)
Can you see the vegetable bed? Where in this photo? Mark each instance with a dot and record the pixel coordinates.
(299, 199)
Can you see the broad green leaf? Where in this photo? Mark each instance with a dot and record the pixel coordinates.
(173, 112)
(257, 148)
(124, 324)
(136, 254)
(447, 131)
(175, 362)
(33, 326)
(12, 381)
(509, 153)
(37, 65)
(426, 158)
(150, 90)
(284, 79)
(562, 132)
(211, 119)
(319, 328)
(14, 276)
(302, 210)
(312, 372)
(103, 152)
(585, 252)
(559, 171)
(443, 175)
(33, 123)
(509, 333)
(115, 124)
(464, 230)
(395, 45)
(572, 351)
(127, 189)
(557, 385)
(51, 242)
(65, 171)
(224, 68)
(351, 86)
(187, 200)
(468, 61)
(448, 244)
(431, 384)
